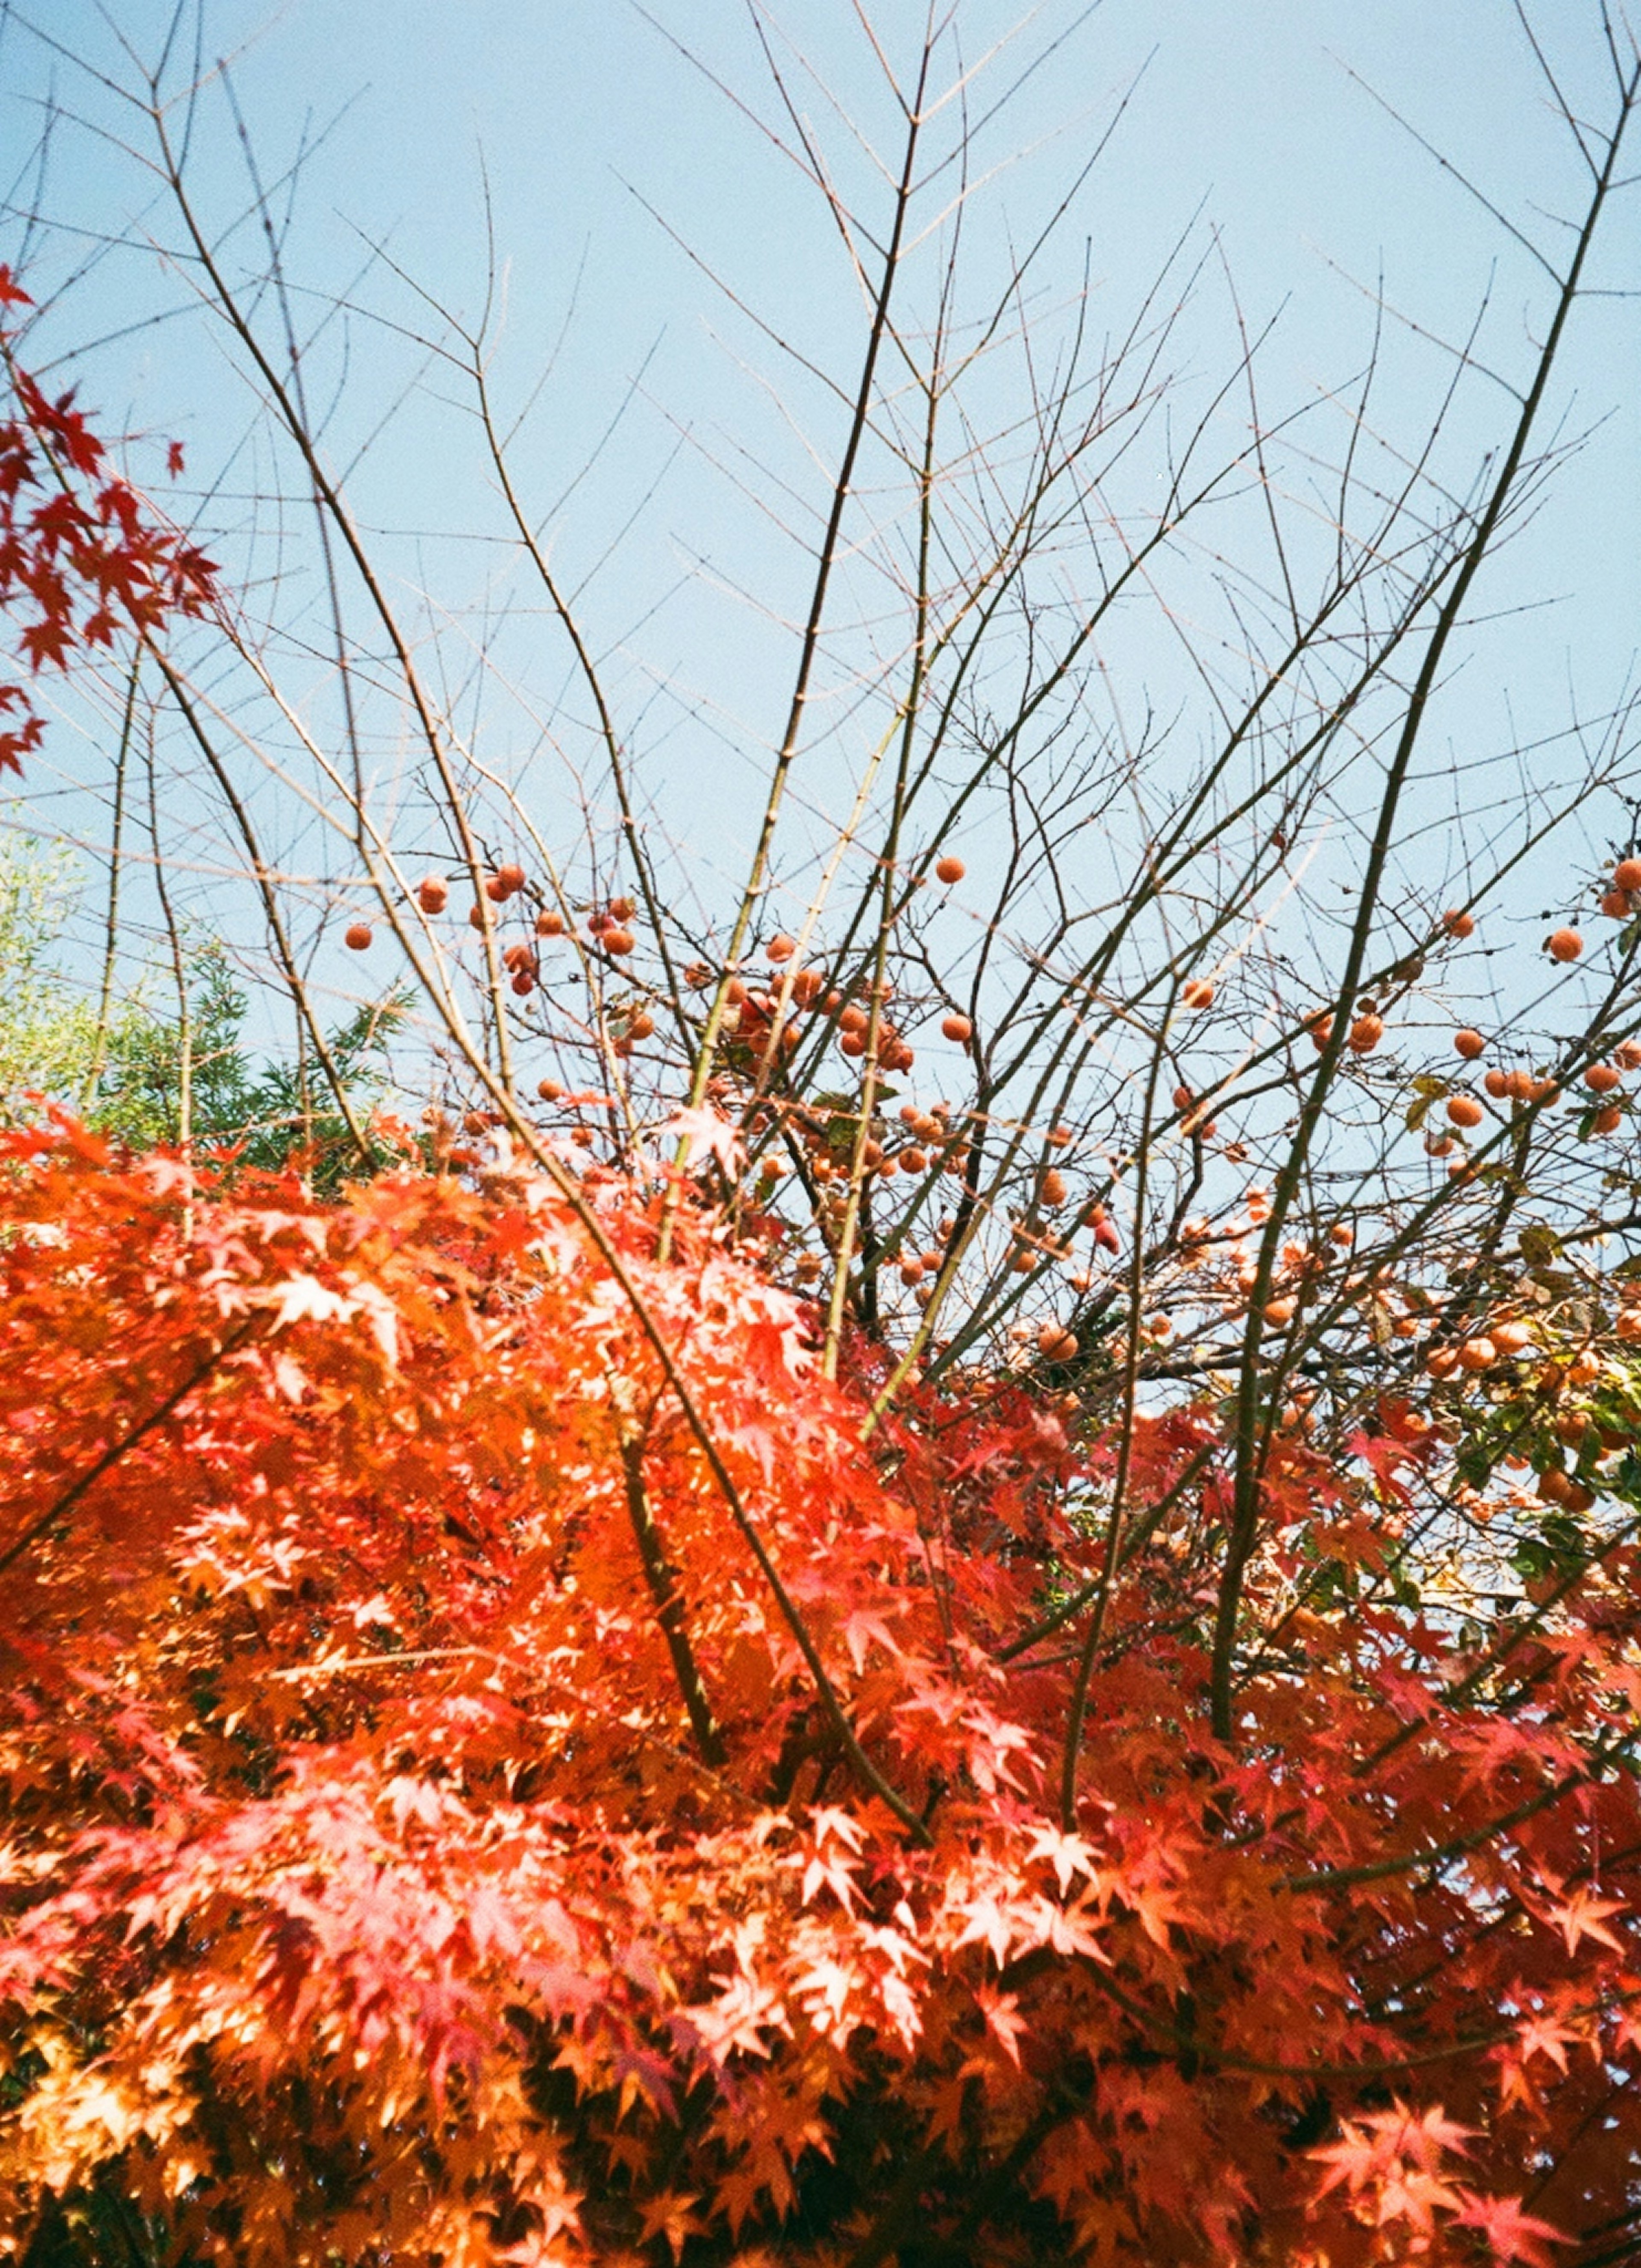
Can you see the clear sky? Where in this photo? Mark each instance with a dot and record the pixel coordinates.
(627, 190)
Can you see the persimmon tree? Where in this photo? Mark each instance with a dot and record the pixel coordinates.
(948, 1572)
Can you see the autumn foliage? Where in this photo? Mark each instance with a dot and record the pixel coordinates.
(432, 1835)
(82, 553)
(756, 1665)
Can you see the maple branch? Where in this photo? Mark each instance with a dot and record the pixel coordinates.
(666, 1593)
(1172, 2041)
(1069, 1608)
(1459, 1689)
(1438, 1854)
(910, 1820)
(110, 1457)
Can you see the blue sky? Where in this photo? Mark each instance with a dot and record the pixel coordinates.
(627, 191)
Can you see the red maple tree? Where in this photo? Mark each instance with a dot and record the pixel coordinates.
(459, 1808)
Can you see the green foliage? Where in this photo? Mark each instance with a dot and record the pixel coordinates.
(125, 1074)
(48, 1030)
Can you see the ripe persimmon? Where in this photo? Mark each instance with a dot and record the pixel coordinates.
(781, 948)
(957, 1028)
(620, 910)
(1607, 1121)
(1477, 1354)
(356, 936)
(432, 894)
(1365, 1035)
(550, 924)
(1057, 1343)
(1601, 1079)
(1627, 1055)
(1616, 905)
(1563, 945)
(1627, 874)
(1465, 1110)
(1468, 1043)
(1498, 1084)
(550, 1090)
(1279, 1313)
(1196, 993)
(1457, 923)
(618, 940)
(950, 870)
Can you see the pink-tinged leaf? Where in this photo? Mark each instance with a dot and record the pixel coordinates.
(1584, 1915)
(1512, 2235)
